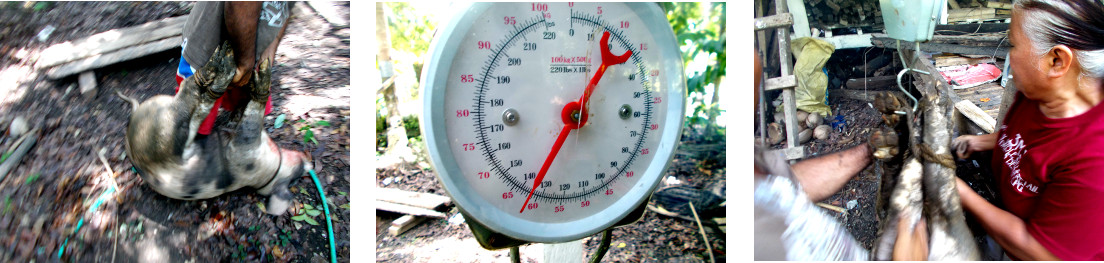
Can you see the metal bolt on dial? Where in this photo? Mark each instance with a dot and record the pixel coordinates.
(625, 112)
(510, 117)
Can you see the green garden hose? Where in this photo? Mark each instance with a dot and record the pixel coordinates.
(329, 223)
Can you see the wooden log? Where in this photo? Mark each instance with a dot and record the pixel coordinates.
(110, 41)
(406, 209)
(403, 224)
(101, 60)
(415, 199)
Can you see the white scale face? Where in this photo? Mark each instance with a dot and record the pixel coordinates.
(508, 86)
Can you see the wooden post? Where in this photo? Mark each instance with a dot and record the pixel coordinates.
(567, 252)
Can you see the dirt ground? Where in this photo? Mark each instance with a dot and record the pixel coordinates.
(53, 187)
(655, 238)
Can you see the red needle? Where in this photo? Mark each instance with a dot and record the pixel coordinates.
(608, 59)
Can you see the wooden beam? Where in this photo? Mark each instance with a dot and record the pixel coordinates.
(101, 60)
(775, 21)
(850, 41)
(405, 209)
(867, 96)
(800, 18)
(782, 82)
(880, 82)
(976, 114)
(1000, 52)
(403, 224)
(998, 5)
(415, 199)
(111, 40)
(964, 29)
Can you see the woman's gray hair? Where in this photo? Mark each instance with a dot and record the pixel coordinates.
(1077, 24)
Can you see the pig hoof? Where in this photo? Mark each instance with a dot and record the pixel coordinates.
(279, 202)
(219, 71)
(262, 80)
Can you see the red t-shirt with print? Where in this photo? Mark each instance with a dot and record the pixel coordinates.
(1050, 173)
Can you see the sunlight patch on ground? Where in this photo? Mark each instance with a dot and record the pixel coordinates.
(11, 78)
(304, 103)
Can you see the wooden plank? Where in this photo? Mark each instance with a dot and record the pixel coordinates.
(991, 40)
(960, 60)
(880, 82)
(850, 41)
(775, 21)
(800, 18)
(110, 40)
(405, 209)
(98, 61)
(985, 96)
(963, 12)
(403, 224)
(415, 199)
(791, 153)
(976, 115)
(964, 29)
(998, 5)
(782, 82)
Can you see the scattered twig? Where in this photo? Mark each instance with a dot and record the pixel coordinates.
(832, 207)
(702, 230)
(14, 158)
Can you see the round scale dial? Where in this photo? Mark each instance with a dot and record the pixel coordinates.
(548, 122)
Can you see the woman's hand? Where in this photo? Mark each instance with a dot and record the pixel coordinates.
(967, 144)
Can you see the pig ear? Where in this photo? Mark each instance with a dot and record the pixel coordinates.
(279, 201)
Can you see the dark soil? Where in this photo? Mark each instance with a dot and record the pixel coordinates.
(653, 238)
(56, 183)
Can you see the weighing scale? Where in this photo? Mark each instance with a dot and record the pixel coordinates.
(550, 122)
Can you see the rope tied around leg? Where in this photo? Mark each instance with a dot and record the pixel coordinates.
(927, 154)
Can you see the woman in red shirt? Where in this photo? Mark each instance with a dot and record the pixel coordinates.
(1049, 152)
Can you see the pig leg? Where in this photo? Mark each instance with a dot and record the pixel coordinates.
(270, 167)
(199, 92)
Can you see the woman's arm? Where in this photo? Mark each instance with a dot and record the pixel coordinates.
(966, 144)
(1008, 230)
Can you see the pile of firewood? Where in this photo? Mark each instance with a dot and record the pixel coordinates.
(835, 13)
